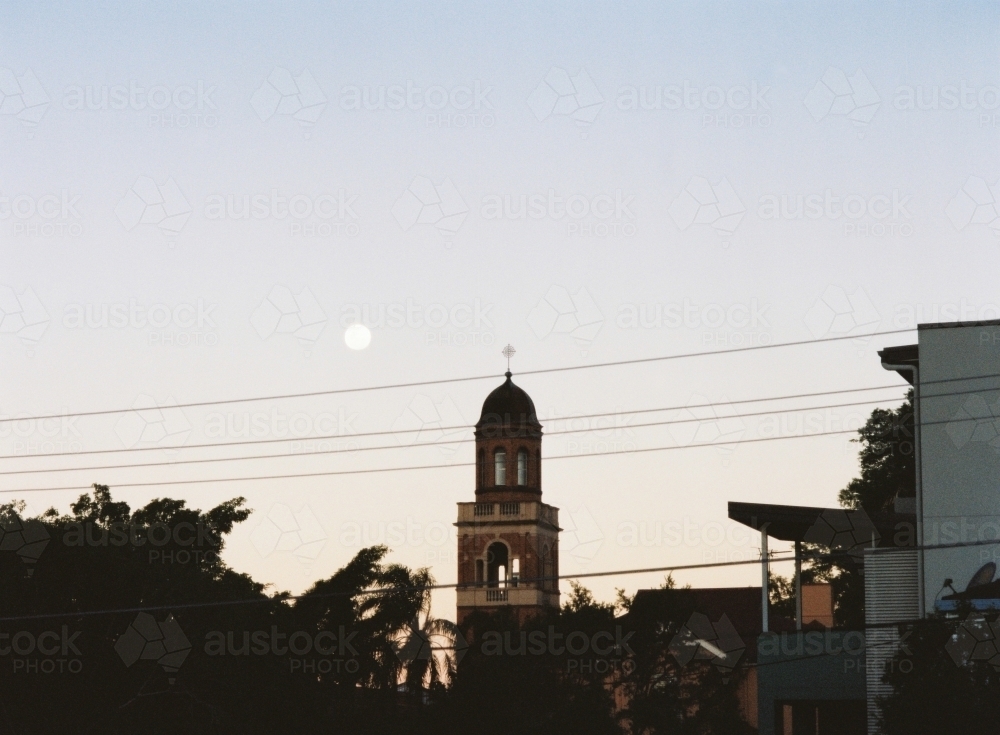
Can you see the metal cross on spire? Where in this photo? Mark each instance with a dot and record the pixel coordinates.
(508, 352)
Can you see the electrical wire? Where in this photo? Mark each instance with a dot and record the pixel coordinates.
(394, 432)
(446, 442)
(422, 383)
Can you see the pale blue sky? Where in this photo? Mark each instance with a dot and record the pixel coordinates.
(914, 249)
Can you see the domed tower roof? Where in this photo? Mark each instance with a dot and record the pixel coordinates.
(510, 409)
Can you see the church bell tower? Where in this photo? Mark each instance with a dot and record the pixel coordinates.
(508, 539)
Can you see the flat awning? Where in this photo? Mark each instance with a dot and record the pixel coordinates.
(795, 522)
(784, 522)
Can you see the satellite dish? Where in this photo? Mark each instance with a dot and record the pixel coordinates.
(983, 576)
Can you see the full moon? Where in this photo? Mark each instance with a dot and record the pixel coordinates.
(357, 336)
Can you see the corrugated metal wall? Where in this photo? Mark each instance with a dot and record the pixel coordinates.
(891, 595)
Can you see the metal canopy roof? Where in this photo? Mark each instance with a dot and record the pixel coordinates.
(793, 522)
(785, 522)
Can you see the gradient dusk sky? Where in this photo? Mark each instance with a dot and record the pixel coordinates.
(197, 200)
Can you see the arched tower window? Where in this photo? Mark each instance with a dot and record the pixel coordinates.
(481, 468)
(497, 564)
(500, 467)
(522, 467)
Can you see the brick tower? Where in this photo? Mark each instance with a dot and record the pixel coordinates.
(508, 539)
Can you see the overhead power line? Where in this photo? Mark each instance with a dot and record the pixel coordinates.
(422, 383)
(374, 470)
(395, 432)
(450, 442)
(440, 443)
